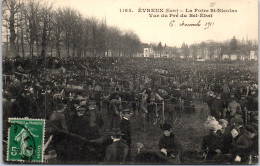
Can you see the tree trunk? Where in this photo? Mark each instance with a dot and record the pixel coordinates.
(31, 50)
(68, 51)
(22, 43)
(12, 31)
(73, 52)
(51, 50)
(44, 40)
(58, 48)
(85, 53)
(37, 47)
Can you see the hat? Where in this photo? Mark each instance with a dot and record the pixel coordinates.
(115, 132)
(92, 102)
(59, 106)
(139, 145)
(166, 126)
(83, 103)
(237, 121)
(81, 108)
(243, 96)
(92, 107)
(223, 121)
(250, 129)
(127, 111)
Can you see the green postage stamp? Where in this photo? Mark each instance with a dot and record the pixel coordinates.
(26, 140)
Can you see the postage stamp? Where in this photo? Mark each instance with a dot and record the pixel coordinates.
(26, 140)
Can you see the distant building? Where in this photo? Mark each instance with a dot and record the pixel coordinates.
(182, 56)
(157, 54)
(233, 57)
(225, 56)
(148, 52)
(138, 55)
(253, 55)
(108, 53)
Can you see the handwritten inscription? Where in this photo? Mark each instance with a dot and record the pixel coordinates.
(199, 23)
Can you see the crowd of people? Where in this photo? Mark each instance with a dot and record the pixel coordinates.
(77, 96)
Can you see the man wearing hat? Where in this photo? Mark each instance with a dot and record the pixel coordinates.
(211, 143)
(58, 125)
(243, 102)
(115, 108)
(243, 148)
(125, 127)
(80, 127)
(237, 121)
(118, 150)
(169, 144)
(217, 107)
(95, 121)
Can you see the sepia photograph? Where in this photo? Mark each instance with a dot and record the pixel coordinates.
(130, 82)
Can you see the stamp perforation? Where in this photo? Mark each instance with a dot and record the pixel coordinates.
(42, 132)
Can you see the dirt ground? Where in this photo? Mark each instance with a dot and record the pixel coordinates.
(189, 132)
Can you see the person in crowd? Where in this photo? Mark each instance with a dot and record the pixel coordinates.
(125, 127)
(143, 110)
(228, 140)
(237, 121)
(7, 106)
(233, 106)
(79, 127)
(59, 129)
(217, 107)
(116, 153)
(169, 144)
(255, 143)
(243, 147)
(211, 143)
(224, 124)
(95, 121)
(115, 108)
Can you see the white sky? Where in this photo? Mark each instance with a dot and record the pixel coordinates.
(154, 30)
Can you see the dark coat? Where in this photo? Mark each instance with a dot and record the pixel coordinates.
(57, 120)
(116, 152)
(125, 127)
(216, 108)
(211, 143)
(228, 142)
(171, 144)
(243, 143)
(59, 141)
(79, 125)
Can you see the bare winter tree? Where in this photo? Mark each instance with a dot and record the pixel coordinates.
(10, 10)
(113, 40)
(68, 17)
(46, 27)
(32, 21)
(57, 30)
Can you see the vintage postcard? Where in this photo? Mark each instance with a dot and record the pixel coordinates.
(130, 82)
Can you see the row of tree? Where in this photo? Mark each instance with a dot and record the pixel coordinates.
(212, 48)
(38, 27)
